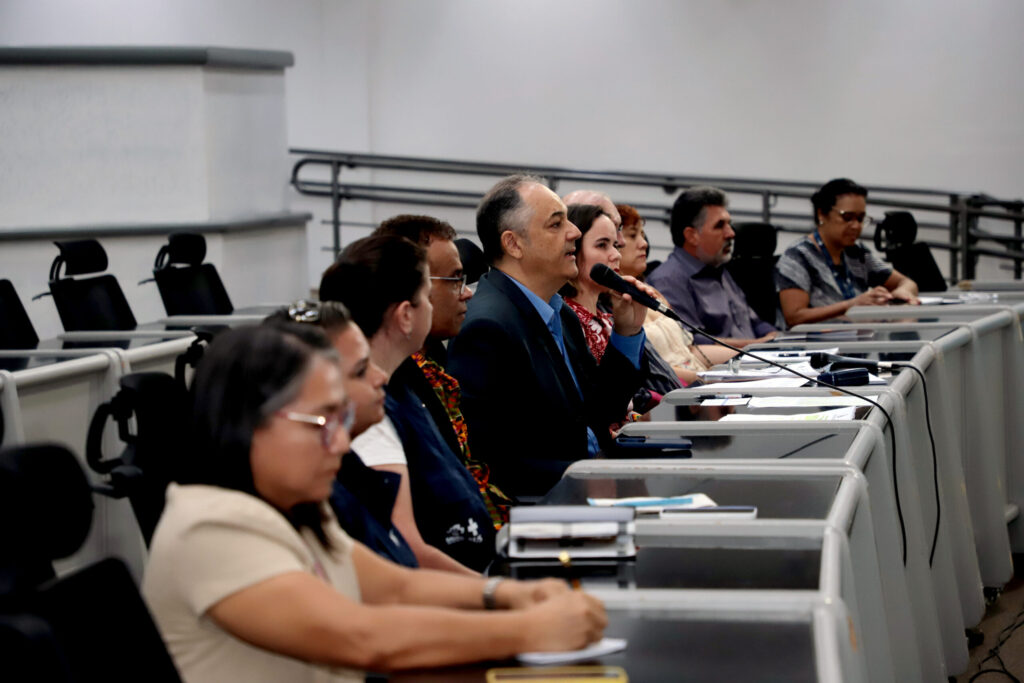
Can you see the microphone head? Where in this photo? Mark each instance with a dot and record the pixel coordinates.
(603, 275)
(820, 360)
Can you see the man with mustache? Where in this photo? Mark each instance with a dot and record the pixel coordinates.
(693, 278)
(534, 398)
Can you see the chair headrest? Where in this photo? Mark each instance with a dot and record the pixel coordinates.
(897, 229)
(45, 502)
(185, 248)
(79, 258)
(473, 262)
(754, 239)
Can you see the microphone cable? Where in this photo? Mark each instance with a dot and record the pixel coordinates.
(821, 359)
(888, 418)
(935, 457)
(604, 275)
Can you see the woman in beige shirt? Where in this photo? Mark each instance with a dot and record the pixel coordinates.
(250, 577)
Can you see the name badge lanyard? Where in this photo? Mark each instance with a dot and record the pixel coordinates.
(842, 276)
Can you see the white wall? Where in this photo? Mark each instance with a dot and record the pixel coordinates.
(881, 90)
(885, 91)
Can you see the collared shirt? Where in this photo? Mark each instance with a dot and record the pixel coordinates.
(707, 297)
(803, 266)
(630, 347)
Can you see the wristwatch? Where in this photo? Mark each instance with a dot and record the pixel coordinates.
(490, 587)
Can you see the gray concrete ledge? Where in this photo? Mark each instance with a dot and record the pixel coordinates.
(259, 222)
(157, 55)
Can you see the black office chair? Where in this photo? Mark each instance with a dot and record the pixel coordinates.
(896, 237)
(91, 625)
(160, 406)
(187, 285)
(16, 331)
(651, 267)
(474, 264)
(753, 267)
(93, 303)
(46, 507)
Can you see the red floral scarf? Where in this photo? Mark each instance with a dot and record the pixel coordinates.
(596, 328)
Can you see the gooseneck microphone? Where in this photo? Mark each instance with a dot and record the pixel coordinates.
(605, 276)
(820, 360)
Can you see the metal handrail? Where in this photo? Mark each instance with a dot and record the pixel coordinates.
(963, 209)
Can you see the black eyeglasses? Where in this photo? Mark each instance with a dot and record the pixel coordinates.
(459, 282)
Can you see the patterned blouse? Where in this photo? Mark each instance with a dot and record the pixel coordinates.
(596, 328)
(450, 394)
(803, 266)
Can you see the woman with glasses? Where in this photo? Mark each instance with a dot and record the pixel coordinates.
(362, 498)
(250, 578)
(824, 275)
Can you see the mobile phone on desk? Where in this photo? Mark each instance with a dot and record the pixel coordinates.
(650, 445)
(716, 512)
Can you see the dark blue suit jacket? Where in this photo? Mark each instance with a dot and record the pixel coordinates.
(526, 417)
(449, 508)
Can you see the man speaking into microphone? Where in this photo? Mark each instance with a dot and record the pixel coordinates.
(533, 396)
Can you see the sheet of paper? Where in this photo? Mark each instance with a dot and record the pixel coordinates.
(786, 356)
(769, 383)
(653, 504)
(805, 401)
(747, 373)
(605, 646)
(728, 401)
(822, 416)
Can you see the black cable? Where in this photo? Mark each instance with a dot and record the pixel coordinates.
(935, 457)
(604, 275)
(1003, 637)
(993, 671)
(806, 445)
(693, 329)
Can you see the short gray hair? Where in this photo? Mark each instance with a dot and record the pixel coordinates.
(502, 209)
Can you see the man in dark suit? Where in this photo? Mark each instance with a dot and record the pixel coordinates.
(534, 398)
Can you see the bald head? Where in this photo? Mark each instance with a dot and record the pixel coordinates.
(597, 199)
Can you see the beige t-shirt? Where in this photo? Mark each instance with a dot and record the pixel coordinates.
(671, 341)
(211, 543)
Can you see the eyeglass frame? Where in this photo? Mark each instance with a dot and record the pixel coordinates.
(461, 280)
(864, 219)
(328, 425)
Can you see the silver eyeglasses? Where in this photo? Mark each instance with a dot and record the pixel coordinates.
(458, 282)
(851, 216)
(328, 424)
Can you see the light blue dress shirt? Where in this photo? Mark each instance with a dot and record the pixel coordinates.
(549, 311)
